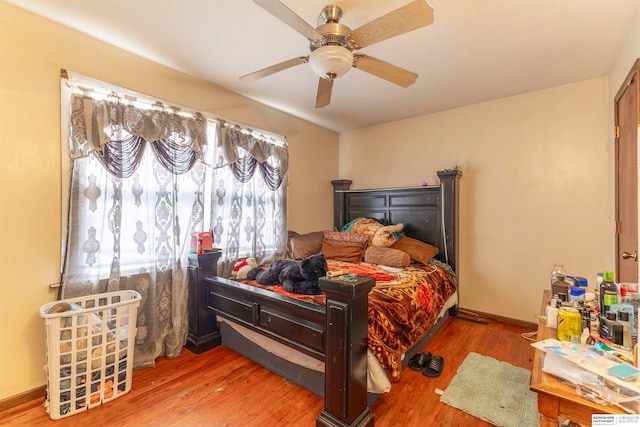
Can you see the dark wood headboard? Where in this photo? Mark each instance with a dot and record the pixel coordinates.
(428, 213)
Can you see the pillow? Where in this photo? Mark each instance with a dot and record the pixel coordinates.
(343, 250)
(339, 236)
(387, 235)
(417, 250)
(386, 256)
(290, 235)
(304, 245)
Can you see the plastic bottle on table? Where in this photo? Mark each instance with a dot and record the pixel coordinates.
(558, 270)
(576, 295)
(599, 281)
(608, 292)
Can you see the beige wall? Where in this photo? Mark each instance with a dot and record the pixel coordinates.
(534, 186)
(32, 52)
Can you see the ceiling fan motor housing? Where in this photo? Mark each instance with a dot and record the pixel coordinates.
(333, 34)
(331, 57)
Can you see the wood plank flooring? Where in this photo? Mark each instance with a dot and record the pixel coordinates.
(221, 388)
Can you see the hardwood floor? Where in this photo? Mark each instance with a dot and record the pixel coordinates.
(221, 388)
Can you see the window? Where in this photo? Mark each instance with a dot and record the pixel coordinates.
(144, 177)
(249, 203)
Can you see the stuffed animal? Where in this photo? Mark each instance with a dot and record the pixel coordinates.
(296, 277)
(269, 276)
(243, 267)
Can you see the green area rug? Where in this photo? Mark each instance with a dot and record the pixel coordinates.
(494, 391)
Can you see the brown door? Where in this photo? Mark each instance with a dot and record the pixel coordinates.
(627, 119)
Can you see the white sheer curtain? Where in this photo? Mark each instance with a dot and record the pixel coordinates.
(249, 199)
(136, 195)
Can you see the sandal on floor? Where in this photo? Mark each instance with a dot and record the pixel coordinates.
(433, 367)
(418, 361)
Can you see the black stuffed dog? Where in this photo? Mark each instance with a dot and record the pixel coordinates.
(296, 277)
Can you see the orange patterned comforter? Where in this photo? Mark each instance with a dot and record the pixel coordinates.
(402, 306)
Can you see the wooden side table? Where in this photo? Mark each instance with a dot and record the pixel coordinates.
(555, 398)
(203, 332)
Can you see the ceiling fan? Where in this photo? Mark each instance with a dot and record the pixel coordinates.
(332, 44)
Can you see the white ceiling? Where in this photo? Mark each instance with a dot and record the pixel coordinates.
(475, 51)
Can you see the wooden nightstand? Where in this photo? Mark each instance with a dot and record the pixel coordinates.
(203, 327)
(555, 398)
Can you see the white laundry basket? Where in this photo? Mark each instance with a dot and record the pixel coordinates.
(89, 343)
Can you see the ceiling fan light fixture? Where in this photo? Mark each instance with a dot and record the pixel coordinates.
(331, 60)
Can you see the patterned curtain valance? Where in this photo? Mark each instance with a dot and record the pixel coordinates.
(244, 169)
(122, 158)
(96, 125)
(230, 139)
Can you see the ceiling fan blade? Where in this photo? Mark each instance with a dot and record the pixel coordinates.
(287, 16)
(412, 16)
(384, 70)
(274, 69)
(324, 92)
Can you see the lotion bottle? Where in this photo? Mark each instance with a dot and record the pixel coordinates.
(608, 292)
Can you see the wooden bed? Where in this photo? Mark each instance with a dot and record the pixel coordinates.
(334, 334)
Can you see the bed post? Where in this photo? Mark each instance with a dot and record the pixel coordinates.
(338, 201)
(449, 202)
(345, 362)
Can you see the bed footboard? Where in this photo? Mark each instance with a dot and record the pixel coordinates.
(335, 334)
(298, 324)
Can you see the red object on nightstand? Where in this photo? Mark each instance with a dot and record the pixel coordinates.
(201, 241)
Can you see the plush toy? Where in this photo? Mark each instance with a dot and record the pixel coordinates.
(296, 277)
(243, 267)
